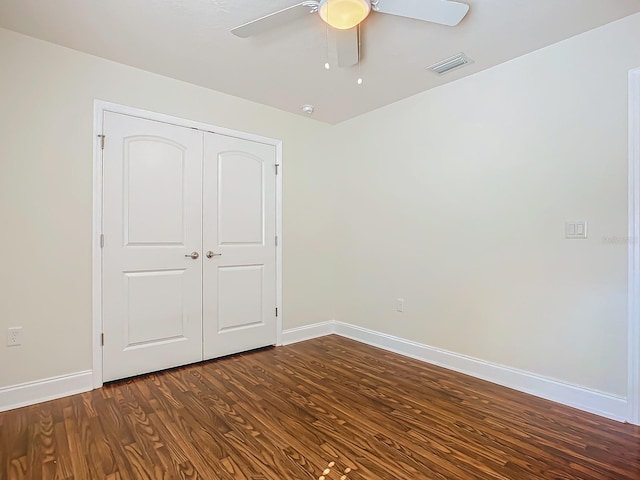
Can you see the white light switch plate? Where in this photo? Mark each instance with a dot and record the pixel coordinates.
(575, 229)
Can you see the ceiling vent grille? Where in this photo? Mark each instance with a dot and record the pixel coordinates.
(449, 64)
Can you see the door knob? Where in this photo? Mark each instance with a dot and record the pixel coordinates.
(210, 254)
(193, 255)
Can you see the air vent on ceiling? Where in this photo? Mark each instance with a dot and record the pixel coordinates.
(451, 63)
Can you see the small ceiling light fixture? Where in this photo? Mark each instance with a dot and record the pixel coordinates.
(308, 109)
(359, 81)
(344, 14)
(327, 66)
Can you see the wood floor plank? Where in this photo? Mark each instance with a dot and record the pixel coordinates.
(289, 412)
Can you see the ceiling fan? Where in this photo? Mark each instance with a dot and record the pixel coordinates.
(345, 15)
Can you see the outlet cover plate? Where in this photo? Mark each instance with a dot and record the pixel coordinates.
(14, 336)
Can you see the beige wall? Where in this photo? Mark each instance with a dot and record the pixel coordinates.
(455, 200)
(46, 195)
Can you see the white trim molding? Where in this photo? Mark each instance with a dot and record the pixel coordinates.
(633, 332)
(279, 177)
(16, 396)
(307, 332)
(99, 109)
(592, 401)
(599, 403)
(96, 252)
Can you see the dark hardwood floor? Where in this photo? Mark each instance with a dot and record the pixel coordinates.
(287, 413)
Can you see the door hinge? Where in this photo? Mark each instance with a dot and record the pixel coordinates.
(102, 339)
(277, 165)
(102, 240)
(276, 240)
(276, 311)
(102, 137)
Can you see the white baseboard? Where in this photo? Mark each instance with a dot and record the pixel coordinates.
(599, 403)
(307, 332)
(592, 401)
(29, 393)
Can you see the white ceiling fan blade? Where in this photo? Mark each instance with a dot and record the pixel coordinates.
(276, 19)
(344, 45)
(444, 12)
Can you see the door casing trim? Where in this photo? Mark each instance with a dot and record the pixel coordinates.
(633, 331)
(99, 108)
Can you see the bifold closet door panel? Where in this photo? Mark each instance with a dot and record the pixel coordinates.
(239, 266)
(152, 257)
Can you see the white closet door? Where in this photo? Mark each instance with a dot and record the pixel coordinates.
(152, 214)
(239, 277)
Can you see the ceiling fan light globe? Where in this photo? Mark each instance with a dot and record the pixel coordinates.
(344, 14)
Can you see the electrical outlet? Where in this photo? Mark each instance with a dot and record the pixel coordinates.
(14, 336)
(399, 304)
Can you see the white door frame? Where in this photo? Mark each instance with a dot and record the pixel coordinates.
(99, 107)
(633, 332)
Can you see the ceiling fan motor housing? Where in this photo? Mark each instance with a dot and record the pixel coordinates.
(344, 14)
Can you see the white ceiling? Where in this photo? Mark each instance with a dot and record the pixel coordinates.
(190, 40)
